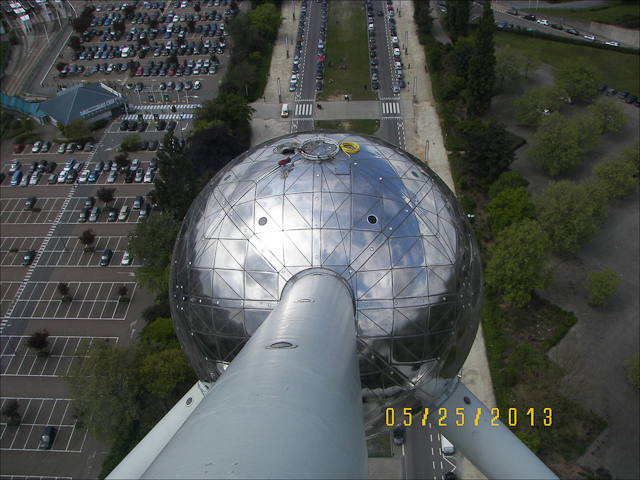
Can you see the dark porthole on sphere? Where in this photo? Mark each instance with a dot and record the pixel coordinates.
(262, 221)
(372, 219)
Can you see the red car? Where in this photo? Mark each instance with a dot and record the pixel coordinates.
(18, 148)
(171, 72)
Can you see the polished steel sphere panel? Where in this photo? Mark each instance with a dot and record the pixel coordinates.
(378, 217)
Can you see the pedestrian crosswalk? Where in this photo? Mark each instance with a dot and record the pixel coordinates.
(304, 109)
(391, 109)
(162, 116)
(164, 107)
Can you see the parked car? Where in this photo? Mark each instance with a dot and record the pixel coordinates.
(126, 259)
(47, 438)
(95, 214)
(113, 215)
(29, 204)
(36, 147)
(105, 259)
(84, 214)
(28, 257)
(124, 213)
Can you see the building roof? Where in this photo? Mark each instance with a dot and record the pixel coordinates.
(82, 101)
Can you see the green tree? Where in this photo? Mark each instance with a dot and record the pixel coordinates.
(588, 131)
(38, 340)
(456, 19)
(631, 154)
(556, 145)
(422, 17)
(578, 79)
(510, 179)
(160, 332)
(226, 108)
(601, 285)
(87, 237)
(617, 177)
(63, 289)
(491, 152)
(162, 372)
(242, 76)
(633, 370)
(461, 56)
(535, 104)
(609, 115)
(10, 409)
(509, 207)
(267, 19)
(570, 214)
(482, 76)
(76, 130)
(106, 194)
(530, 59)
(104, 387)
(131, 142)
(509, 66)
(151, 242)
(175, 189)
(517, 262)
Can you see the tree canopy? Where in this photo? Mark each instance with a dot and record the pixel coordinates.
(601, 285)
(535, 104)
(578, 79)
(227, 108)
(509, 207)
(482, 77)
(151, 243)
(509, 66)
(517, 262)
(570, 214)
(266, 19)
(609, 115)
(104, 386)
(556, 145)
(456, 19)
(509, 179)
(162, 372)
(489, 151)
(175, 188)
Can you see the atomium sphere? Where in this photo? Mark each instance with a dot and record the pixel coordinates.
(353, 204)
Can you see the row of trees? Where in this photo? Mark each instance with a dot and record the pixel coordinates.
(560, 219)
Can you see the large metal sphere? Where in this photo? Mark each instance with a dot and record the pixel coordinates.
(378, 217)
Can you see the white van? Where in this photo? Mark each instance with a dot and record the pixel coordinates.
(285, 110)
(447, 446)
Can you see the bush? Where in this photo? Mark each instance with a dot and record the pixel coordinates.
(510, 179)
(159, 309)
(468, 204)
(98, 124)
(601, 285)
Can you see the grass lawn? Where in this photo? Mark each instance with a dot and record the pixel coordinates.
(368, 127)
(609, 14)
(619, 70)
(347, 39)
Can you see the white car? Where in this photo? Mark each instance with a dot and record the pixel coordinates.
(396, 89)
(63, 176)
(148, 177)
(35, 178)
(613, 44)
(36, 147)
(62, 148)
(542, 21)
(126, 259)
(112, 176)
(84, 177)
(590, 37)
